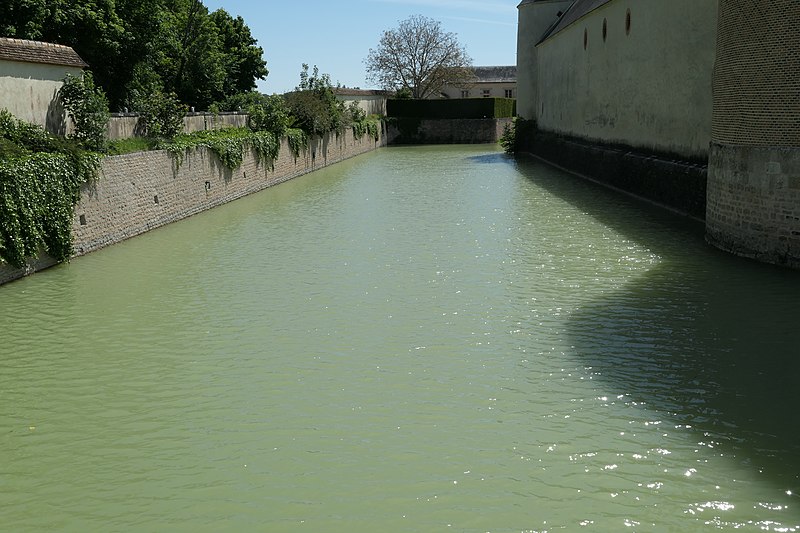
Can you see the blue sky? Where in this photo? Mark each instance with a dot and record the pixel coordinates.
(337, 35)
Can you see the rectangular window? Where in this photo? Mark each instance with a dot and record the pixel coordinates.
(509, 93)
(487, 93)
(464, 94)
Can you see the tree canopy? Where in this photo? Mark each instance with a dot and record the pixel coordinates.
(140, 47)
(418, 56)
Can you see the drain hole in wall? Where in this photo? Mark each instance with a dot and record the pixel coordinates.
(155, 199)
(82, 219)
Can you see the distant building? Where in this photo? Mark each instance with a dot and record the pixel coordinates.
(489, 82)
(31, 74)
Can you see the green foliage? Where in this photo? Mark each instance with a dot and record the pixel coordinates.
(130, 145)
(314, 105)
(509, 138)
(140, 46)
(297, 140)
(271, 115)
(457, 108)
(40, 179)
(228, 144)
(515, 137)
(242, 59)
(404, 94)
(361, 124)
(162, 115)
(241, 101)
(87, 105)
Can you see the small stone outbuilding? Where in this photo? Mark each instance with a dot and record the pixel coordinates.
(31, 73)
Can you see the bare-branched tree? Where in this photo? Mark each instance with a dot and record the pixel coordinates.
(418, 56)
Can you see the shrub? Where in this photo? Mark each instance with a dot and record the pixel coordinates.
(87, 106)
(162, 115)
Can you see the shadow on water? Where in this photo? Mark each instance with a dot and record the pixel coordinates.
(488, 159)
(708, 339)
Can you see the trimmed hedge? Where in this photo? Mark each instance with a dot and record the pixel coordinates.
(456, 108)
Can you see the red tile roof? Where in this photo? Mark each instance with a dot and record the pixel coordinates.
(24, 51)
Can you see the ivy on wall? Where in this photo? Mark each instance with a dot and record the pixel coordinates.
(40, 180)
(228, 144)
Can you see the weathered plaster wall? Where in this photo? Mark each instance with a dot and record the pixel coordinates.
(28, 91)
(648, 87)
(142, 191)
(534, 19)
(126, 125)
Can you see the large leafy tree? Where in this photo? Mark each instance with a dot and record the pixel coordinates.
(242, 57)
(418, 56)
(139, 47)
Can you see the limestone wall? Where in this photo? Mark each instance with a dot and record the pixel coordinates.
(631, 72)
(141, 191)
(127, 125)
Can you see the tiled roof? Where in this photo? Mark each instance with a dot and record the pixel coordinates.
(37, 52)
(577, 10)
(505, 74)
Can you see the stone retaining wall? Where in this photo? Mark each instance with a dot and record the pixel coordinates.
(754, 202)
(446, 131)
(665, 179)
(127, 125)
(141, 191)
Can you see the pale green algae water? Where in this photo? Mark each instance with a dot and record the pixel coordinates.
(419, 339)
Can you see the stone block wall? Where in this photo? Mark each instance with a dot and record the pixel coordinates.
(141, 191)
(753, 206)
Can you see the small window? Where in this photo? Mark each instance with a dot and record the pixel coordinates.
(487, 93)
(464, 94)
(628, 22)
(509, 93)
(605, 29)
(585, 38)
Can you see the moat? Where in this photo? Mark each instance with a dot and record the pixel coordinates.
(417, 339)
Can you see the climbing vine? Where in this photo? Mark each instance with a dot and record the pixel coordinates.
(228, 144)
(40, 180)
(297, 140)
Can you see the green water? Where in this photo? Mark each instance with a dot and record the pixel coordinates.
(419, 339)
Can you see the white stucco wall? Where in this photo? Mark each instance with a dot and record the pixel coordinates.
(650, 88)
(534, 19)
(28, 91)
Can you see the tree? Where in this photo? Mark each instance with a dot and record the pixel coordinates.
(243, 60)
(313, 104)
(419, 56)
(141, 47)
(87, 105)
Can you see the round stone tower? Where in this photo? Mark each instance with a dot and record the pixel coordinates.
(753, 198)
